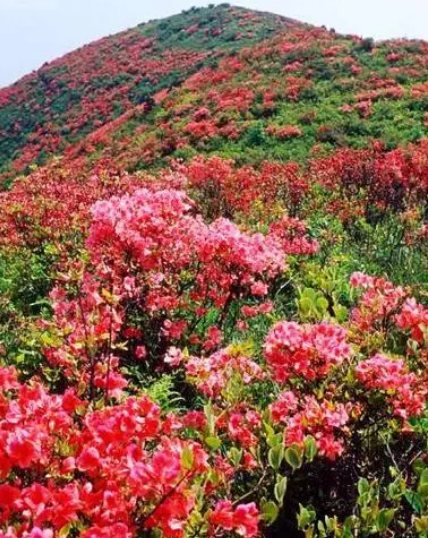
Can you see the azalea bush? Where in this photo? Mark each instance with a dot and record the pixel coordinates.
(269, 420)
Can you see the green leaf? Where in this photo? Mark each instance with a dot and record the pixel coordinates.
(268, 428)
(351, 522)
(187, 458)
(305, 517)
(418, 466)
(275, 456)
(293, 456)
(235, 455)
(214, 443)
(421, 524)
(415, 501)
(423, 483)
(65, 531)
(424, 478)
(347, 533)
(321, 530)
(209, 413)
(341, 313)
(280, 489)
(322, 305)
(384, 518)
(311, 449)
(395, 490)
(363, 486)
(331, 524)
(311, 294)
(305, 305)
(274, 439)
(270, 512)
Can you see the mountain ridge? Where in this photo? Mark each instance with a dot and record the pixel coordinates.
(156, 48)
(55, 108)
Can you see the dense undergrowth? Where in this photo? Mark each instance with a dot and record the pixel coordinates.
(213, 285)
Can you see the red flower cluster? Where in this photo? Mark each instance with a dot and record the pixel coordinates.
(243, 519)
(325, 421)
(305, 351)
(414, 317)
(403, 389)
(110, 471)
(379, 302)
(212, 375)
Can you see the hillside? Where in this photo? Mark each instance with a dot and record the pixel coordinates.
(141, 90)
(68, 98)
(214, 285)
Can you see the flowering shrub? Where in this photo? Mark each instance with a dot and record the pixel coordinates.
(162, 290)
(111, 471)
(322, 421)
(392, 377)
(307, 351)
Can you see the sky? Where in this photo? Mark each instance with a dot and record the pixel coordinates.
(35, 31)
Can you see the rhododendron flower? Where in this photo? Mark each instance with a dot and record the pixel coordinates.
(379, 301)
(23, 448)
(243, 426)
(195, 419)
(242, 325)
(222, 515)
(89, 460)
(212, 375)
(259, 288)
(214, 338)
(291, 233)
(413, 316)
(119, 530)
(305, 351)
(174, 329)
(140, 352)
(38, 533)
(8, 378)
(173, 357)
(404, 390)
(244, 519)
(324, 420)
(249, 311)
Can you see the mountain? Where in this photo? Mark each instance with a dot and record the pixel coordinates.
(260, 79)
(70, 97)
(213, 285)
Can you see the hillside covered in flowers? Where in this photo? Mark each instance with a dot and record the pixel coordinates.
(214, 285)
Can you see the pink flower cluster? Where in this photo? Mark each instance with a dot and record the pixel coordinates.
(243, 519)
(284, 132)
(305, 351)
(106, 470)
(84, 325)
(414, 317)
(242, 425)
(325, 421)
(154, 234)
(212, 375)
(380, 300)
(403, 389)
(292, 235)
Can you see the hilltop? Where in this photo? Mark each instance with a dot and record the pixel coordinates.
(71, 97)
(221, 80)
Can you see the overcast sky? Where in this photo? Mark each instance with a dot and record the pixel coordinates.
(35, 31)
